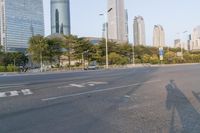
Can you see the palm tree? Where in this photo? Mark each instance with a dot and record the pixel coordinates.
(37, 49)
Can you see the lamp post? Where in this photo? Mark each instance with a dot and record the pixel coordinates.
(183, 41)
(106, 34)
(181, 37)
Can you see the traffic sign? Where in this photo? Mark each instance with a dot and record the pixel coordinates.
(161, 53)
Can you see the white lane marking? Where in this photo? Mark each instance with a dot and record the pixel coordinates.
(13, 93)
(101, 90)
(2, 94)
(11, 86)
(60, 87)
(97, 83)
(27, 92)
(83, 84)
(91, 84)
(127, 96)
(5, 86)
(16, 93)
(77, 85)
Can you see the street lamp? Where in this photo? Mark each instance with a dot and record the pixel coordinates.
(106, 35)
(181, 34)
(183, 41)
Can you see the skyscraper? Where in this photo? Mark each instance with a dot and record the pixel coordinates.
(139, 31)
(158, 36)
(117, 29)
(19, 20)
(195, 39)
(60, 17)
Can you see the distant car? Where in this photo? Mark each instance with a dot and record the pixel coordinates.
(92, 67)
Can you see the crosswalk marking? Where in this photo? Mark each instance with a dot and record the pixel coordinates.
(2, 94)
(16, 93)
(26, 92)
(13, 93)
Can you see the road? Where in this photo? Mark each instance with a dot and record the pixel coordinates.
(139, 100)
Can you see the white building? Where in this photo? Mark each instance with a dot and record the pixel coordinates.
(139, 31)
(158, 36)
(195, 39)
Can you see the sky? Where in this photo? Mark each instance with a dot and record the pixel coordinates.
(176, 16)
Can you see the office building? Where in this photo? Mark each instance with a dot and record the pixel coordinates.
(177, 43)
(117, 28)
(139, 31)
(158, 36)
(19, 20)
(60, 17)
(195, 39)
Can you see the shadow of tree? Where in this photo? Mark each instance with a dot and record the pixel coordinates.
(179, 104)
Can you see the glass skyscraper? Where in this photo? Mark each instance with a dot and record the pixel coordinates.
(117, 21)
(19, 20)
(60, 17)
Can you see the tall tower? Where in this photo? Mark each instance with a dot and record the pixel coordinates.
(158, 36)
(117, 21)
(60, 17)
(20, 20)
(139, 31)
(195, 39)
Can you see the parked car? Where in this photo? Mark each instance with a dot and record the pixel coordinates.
(92, 67)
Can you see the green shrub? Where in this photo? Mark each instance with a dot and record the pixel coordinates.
(2, 69)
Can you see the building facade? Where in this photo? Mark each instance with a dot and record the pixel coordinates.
(20, 20)
(177, 43)
(195, 39)
(117, 28)
(139, 31)
(60, 17)
(158, 36)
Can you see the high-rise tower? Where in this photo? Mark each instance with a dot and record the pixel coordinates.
(19, 20)
(139, 31)
(117, 29)
(158, 36)
(195, 39)
(60, 17)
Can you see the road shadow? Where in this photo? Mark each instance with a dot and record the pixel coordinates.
(181, 107)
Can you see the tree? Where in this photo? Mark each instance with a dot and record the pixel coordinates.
(116, 59)
(69, 43)
(154, 59)
(169, 57)
(38, 49)
(54, 49)
(146, 58)
(83, 47)
(1, 48)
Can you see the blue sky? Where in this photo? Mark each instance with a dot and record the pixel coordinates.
(175, 16)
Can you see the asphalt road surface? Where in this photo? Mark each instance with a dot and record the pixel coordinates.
(139, 100)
